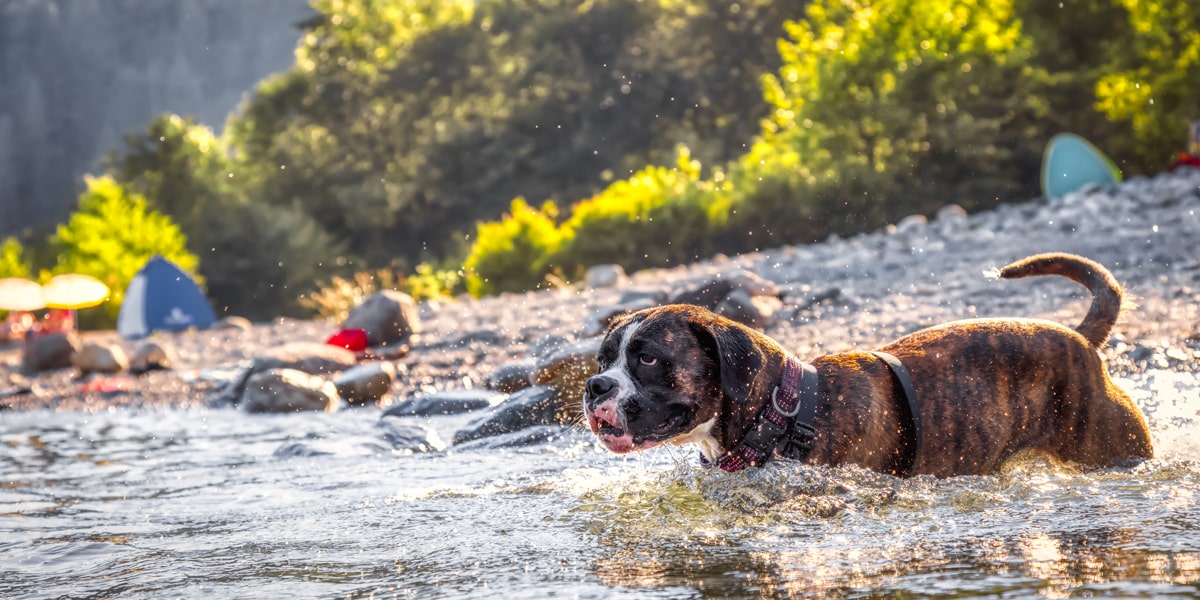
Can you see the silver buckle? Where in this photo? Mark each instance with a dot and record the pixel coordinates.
(775, 402)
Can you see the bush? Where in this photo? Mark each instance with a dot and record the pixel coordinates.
(513, 254)
(12, 261)
(334, 300)
(111, 236)
(656, 217)
(259, 259)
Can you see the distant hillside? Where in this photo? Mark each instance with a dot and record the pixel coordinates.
(79, 74)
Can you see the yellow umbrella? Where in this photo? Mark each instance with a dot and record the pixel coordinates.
(72, 291)
(20, 294)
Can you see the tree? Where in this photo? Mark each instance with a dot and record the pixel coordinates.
(111, 236)
(12, 261)
(1156, 81)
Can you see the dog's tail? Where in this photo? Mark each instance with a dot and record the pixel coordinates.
(1106, 292)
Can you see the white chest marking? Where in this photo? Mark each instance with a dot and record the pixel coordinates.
(701, 435)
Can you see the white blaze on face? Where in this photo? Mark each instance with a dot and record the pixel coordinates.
(618, 371)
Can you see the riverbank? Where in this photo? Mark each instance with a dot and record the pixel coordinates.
(836, 295)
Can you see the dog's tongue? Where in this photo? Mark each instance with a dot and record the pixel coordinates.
(614, 438)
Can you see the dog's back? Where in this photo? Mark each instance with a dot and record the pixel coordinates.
(988, 388)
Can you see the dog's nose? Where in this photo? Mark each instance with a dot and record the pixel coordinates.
(600, 385)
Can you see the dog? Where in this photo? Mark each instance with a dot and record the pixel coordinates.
(955, 399)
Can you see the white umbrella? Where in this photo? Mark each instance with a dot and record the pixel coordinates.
(72, 291)
(20, 295)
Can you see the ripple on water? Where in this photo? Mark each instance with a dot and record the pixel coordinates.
(203, 503)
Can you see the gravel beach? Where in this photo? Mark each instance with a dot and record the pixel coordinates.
(836, 295)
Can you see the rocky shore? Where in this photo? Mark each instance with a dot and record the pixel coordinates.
(819, 298)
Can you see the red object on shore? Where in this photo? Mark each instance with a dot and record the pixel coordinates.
(350, 339)
(1185, 160)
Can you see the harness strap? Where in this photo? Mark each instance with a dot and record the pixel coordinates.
(901, 375)
(785, 426)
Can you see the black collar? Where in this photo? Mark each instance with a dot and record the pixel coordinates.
(785, 426)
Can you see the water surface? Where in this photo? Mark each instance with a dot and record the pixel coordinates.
(200, 503)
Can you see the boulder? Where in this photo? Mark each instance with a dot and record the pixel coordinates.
(538, 434)
(49, 351)
(288, 390)
(753, 311)
(310, 357)
(710, 294)
(388, 317)
(366, 383)
(567, 368)
(408, 437)
(233, 323)
(513, 376)
(547, 345)
(598, 322)
(150, 356)
(95, 357)
(538, 405)
(448, 402)
(604, 276)
(631, 296)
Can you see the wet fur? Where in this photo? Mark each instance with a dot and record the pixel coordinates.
(987, 388)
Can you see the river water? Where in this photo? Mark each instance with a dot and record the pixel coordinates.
(203, 504)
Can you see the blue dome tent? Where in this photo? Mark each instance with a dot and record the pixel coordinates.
(162, 297)
(1071, 162)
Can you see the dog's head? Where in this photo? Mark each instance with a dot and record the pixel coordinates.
(673, 374)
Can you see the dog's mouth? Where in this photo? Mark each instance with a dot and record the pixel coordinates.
(620, 441)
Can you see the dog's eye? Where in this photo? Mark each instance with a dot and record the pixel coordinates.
(647, 360)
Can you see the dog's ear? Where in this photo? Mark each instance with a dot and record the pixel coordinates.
(733, 349)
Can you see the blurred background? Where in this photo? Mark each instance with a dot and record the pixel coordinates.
(290, 154)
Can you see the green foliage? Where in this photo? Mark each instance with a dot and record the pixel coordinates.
(12, 261)
(405, 121)
(334, 300)
(637, 221)
(259, 259)
(112, 235)
(1157, 81)
(428, 283)
(180, 167)
(512, 254)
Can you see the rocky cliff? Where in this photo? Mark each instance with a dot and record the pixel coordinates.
(77, 75)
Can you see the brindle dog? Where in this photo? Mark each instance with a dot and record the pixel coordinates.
(985, 388)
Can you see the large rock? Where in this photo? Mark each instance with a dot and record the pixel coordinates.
(448, 402)
(310, 357)
(598, 322)
(307, 357)
(567, 368)
(49, 351)
(150, 356)
(288, 390)
(604, 276)
(711, 293)
(538, 405)
(388, 317)
(365, 383)
(408, 437)
(753, 311)
(513, 376)
(96, 357)
(530, 436)
(234, 323)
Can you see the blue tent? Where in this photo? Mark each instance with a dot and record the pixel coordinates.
(1071, 162)
(162, 297)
